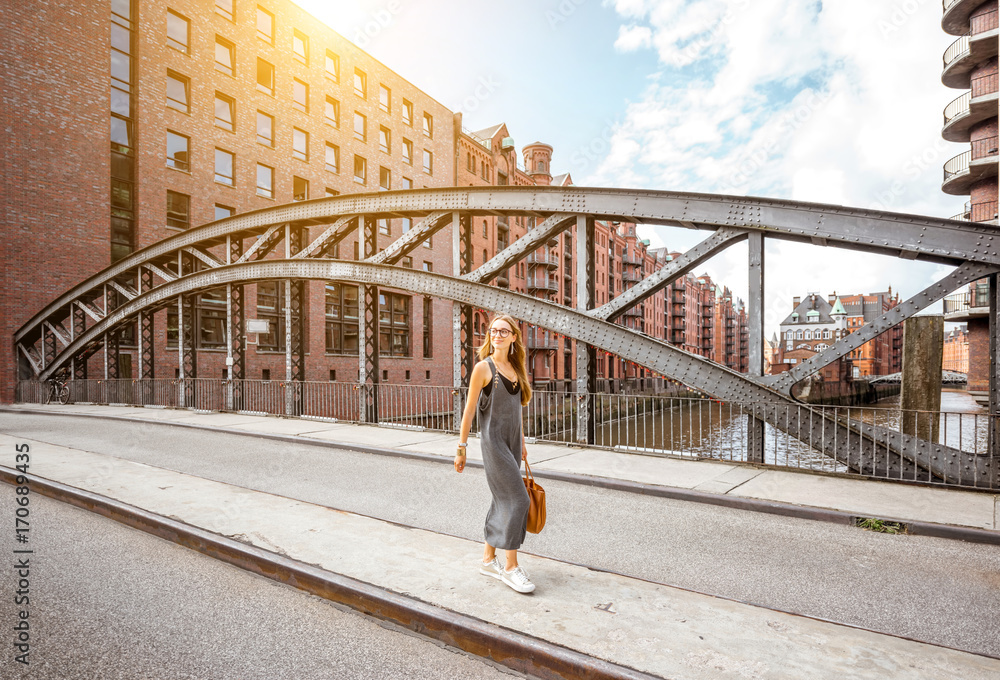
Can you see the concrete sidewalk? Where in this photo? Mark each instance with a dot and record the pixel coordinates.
(948, 513)
(635, 624)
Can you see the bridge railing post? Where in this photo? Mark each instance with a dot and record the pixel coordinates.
(755, 335)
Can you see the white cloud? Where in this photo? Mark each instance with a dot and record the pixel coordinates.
(835, 102)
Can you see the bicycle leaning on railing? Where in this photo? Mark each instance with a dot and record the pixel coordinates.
(58, 389)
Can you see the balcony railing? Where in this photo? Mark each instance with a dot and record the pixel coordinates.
(957, 107)
(542, 343)
(541, 283)
(963, 216)
(983, 85)
(956, 50)
(544, 260)
(982, 148)
(957, 165)
(963, 302)
(983, 22)
(984, 211)
(632, 259)
(631, 277)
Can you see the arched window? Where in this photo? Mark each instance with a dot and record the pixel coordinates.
(485, 256)
(808, 334)
(798, 335)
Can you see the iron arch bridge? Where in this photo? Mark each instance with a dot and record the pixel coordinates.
(272, 244)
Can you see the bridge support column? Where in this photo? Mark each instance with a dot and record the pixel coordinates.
(147, 344)
(586, 355)
(79, 328)
(369, 377)
(294, 329)
(755, 334)
(463, 332)
(920, 395)
(186, 336)
(236, 354)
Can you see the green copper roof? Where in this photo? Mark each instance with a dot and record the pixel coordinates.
(838, 308)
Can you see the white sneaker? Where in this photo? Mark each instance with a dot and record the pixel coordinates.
(517, 580)
(493, 568)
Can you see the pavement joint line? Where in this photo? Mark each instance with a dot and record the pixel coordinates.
(512, 649)
(759, 473)
(133, 515)
(915, 527)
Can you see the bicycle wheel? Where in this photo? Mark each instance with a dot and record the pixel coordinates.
(49, 389)
(64, 395)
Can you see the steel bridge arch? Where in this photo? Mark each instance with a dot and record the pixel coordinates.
(973, 249)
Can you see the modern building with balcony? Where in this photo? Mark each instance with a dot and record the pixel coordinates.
(970, 64)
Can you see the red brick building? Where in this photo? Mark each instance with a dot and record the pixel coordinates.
(956, 350)
(970, 64)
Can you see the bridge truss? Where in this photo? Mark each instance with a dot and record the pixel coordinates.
(271, 245)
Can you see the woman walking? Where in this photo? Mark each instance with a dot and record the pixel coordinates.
(499, 389)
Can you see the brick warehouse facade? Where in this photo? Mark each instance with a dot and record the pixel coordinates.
(970, 64)
(213, 107)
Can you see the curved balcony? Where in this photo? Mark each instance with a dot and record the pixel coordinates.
(543, 260)
(633, 260)
(631, 277)
(968, 305)
(955, 19)
(975, 47)
(542, 343)
(970, 108)
(967, 168)
(542, 283)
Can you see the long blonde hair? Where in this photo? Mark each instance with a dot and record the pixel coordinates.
(517, 354)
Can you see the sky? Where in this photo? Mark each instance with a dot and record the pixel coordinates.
(833, 102)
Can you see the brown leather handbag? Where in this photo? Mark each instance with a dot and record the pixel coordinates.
(536, 494)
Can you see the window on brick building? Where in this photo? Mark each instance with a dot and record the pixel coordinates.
(300, 144)
(265, 77)
(384, 178)
(224, 8)
(223, 211)
(332, 112)
(428, 266)
(330, 192)
(407, 151)
(360, 126)
(428, 162)
(300, 46)
(361, 83)
(394, 324)
(360, 169)
(408, 113)
(385, 98)
(300, 189)
(178, 31)
(428, 125)
(178, 210)
(384, 139)
(265, 181)
(178, 89)
(342, 306)
(300, 95)
(383, 227)
(224, 162)
(265, 129)
(407, 183)
(178, 151)
(265, 25)
(428, 326)
(407, 262)
(225, 111)
(332, 66)
(407, 224)
(224, 55)
(271, 308)
(332, 157)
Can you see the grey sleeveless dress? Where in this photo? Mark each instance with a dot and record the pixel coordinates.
(500, 436)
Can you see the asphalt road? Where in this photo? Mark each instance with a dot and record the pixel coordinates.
(935, 590)
(110, 602)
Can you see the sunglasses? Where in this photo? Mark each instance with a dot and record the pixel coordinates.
(502, 332)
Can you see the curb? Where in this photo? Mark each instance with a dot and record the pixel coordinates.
(514, 650)
(913, 527)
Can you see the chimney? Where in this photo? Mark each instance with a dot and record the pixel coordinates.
(831, 298)
(795, 301)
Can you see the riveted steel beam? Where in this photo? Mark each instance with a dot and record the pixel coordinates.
(203, 255)
(520, 248)
(925, 238)
(36, 365)
(164, 275)
(92, 312)
(332, 235)
(127, 293)
(967, 273)
(406, 243)
(264, 244)
(867, 448)
(663, 277)
(755, 331)
(58, 333)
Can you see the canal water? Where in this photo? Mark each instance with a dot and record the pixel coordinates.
(705, 428)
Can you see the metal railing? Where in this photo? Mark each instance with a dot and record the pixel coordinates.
(957, 107)
(983, 22)
(546, 260)
(983, 85)
(984, 211)
(957, 165)
(542, 283)
(983, 148)
(956, 50)
(963, 302)
(678, 424)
